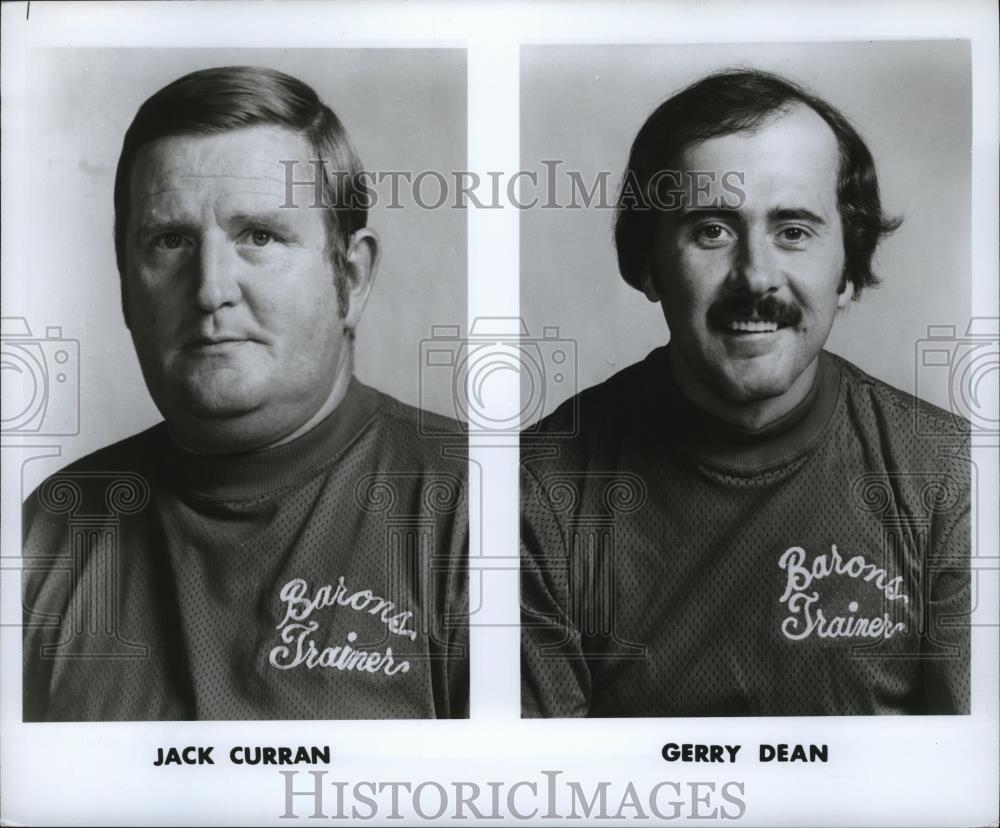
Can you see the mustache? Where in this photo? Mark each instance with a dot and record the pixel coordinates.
(766, 308)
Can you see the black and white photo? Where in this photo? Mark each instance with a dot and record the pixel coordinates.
(289, 542)
(519, 413)
(744, 523)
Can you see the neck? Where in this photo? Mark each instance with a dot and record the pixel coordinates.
(752, 415)
(240, 443)
(336, 395)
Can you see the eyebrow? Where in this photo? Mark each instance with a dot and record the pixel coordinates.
(795, 214)
(267, 218)
(732, 214)
(271, 218)
(158, 227)
(689, 213)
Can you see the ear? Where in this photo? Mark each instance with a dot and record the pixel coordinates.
(362, 265)
(846, 294)
(648, 285)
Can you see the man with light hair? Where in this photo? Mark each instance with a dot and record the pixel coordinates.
(287, 544)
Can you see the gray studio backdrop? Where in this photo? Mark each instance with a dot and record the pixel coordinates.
(583, 105)
(405, 109)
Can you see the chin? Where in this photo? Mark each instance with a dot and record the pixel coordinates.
(217, 409)
(748, 389)
(213, 401)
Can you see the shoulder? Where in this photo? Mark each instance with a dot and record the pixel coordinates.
(602, 425)
(138, 454)
(408, 417)
(912, 441)
(134, 451)
(114, 480)
(406, 436)
(608, 404)
(120, 470)
(900, 411)
(420, 456)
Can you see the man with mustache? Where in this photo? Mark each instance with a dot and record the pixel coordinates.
(744, 523)
(287, 544)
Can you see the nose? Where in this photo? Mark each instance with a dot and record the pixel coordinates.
(755, 269)
(216, 280)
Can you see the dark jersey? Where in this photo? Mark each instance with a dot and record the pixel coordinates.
(321, 579)
(677, 566)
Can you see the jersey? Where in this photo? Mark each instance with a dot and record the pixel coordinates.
(674, 565)
(320, 579)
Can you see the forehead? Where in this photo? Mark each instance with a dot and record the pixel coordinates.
(791, 157)
(242, 165)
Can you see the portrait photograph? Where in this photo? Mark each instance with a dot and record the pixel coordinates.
(749, 490)
(252, 507)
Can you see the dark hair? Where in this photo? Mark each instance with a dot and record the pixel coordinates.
(740, 100)
(218, 100)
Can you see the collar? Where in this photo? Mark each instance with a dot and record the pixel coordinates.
(255, 474)
(715, 442)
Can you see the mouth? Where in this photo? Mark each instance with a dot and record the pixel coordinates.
(744, 327)
(753, 318)
(214, 343)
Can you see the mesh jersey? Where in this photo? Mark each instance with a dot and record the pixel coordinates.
(676, 566)
(321, 579)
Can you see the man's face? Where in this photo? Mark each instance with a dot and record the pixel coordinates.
(750, 292)
(230, 298)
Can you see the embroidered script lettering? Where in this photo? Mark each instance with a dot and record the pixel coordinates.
(298, 649)
(299, 605)
(806, 618)
(296, 630)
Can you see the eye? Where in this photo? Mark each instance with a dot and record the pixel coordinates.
(169, 241)
(712, 234)
(261, 238)
(794, 235)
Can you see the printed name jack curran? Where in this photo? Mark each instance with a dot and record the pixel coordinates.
(244, 755)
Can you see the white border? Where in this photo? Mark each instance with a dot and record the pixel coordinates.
(886, 771)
